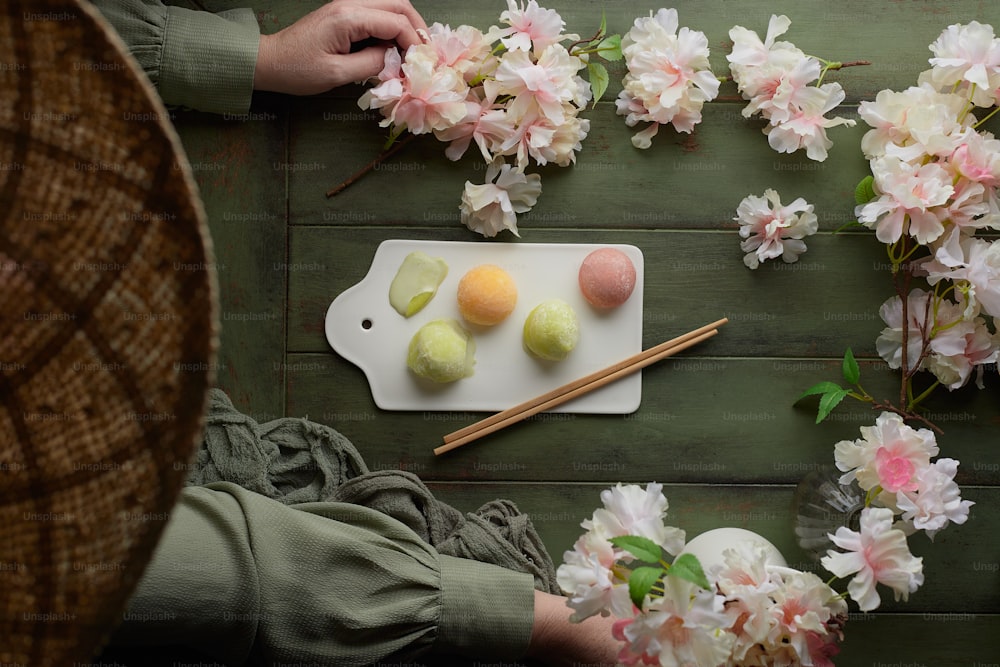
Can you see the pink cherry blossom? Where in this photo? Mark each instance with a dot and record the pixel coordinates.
(775, 78)
(668, 77)
(913, 123)
(492, 207)
(801, 608)
(973, 263)
(978, 159)
(546, 84)
(586, 576)
(967, 58)
(683, 627)
(750, 51)
(779, 92)
(978, 348)
(485, 122)
(877, 554)
(531, 27)
(892, 448)
(631, 510)
(772, 230)
(806, 125)
(936, 500)
(465, 49)
(423, 97)
(911, 197)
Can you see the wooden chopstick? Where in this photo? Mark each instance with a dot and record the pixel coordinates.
(577, 387)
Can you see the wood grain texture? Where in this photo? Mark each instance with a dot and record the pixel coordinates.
(238, 165)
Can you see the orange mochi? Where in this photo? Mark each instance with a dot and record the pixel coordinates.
(486, 295)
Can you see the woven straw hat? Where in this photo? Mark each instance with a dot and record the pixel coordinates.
(107, 328)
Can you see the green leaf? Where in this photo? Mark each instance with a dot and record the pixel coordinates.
(598, 80)
(611, 48)
(820, 388)
(850, 367)
(688, 567)
(604, 23)
(642, 548)
(640, 581)
(865, 191)
(828, 402)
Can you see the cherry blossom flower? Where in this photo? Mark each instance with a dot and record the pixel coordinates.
(465, 49)
(683, 627)
(547, 84)
(913, 123)
(966, 59)
(802, 609)
(777, 91)
(775, 78)
(485, 122)
(911, 197)
(772, 230)
(668, 78)
(805, 126)
(975, 264)
(974, 347)
(747, 585)
(888, 455)
(877, 554)
(531, 27)
(492, 207)
(586, 576)
(417, 94)
(632, 510)
(936, 500)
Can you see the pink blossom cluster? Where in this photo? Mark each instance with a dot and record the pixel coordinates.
(935, 183)
(909, 492)
(771, 230)
(777, 79)
(514, 91)
(668, 77)
(755, 611)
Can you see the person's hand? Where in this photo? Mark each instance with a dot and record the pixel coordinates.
(557, 641)
(314, 54)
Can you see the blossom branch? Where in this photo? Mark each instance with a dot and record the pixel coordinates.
(379, 159)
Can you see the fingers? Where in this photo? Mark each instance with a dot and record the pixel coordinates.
(361, 65)
(386, 26)
(399, 7)
(394, 20)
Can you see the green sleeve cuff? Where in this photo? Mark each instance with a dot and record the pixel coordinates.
(486, 610)
(208, 60)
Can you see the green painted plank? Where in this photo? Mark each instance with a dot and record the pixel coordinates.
(961, 565)
(682, 181)
(702, 419)
(234, 162)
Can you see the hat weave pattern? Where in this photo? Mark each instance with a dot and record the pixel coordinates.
(108, 328)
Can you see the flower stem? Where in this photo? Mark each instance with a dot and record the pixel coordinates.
(985, 118)
(379, 159)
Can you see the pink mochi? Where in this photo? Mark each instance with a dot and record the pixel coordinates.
(607, 278)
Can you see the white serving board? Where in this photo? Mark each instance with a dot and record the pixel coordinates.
(362, 327)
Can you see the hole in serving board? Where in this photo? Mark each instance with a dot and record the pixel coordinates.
(366, 324)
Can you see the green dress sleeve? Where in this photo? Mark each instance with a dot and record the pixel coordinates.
(243, 578)
(200, 60)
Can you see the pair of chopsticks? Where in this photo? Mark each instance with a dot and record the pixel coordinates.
(578, 387)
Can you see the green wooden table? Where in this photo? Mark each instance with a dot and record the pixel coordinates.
(719, 427)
